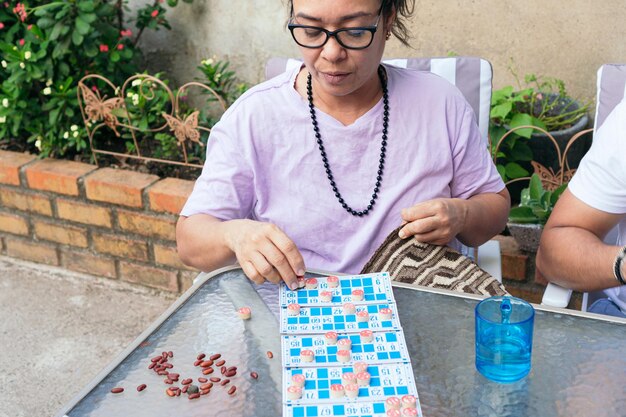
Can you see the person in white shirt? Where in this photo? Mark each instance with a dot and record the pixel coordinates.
(574, 251)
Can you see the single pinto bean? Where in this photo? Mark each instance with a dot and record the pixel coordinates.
(270, 354)
(206, 364)
(230, 373)
(194, 396)
(117, 390)
(187, 381)
(232, 390)
(254, 375)
(201, 356)
(208, 371)
(202, 380)
(216, 356)
(220, 362)
(141, 387)
(225, 382)
(215, 379)
(208, 385)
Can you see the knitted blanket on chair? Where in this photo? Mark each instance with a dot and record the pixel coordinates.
(428, 265)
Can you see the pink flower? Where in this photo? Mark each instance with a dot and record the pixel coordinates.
(20, 11)
(1, 25)
(94, 88)
(126, 32)
(154, 13)
(21, 42)
(539, 96)
(29, 27)
(104, 48)
(120, 46)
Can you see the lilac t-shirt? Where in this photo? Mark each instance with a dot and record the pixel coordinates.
(263, 163)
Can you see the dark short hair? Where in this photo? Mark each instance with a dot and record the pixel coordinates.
(404, 9)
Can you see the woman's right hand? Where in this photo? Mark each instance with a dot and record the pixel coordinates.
(265, 252)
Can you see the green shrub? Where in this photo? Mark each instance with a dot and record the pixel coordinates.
(46, 48)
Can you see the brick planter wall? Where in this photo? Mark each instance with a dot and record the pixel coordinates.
(113, 223)
(120, 224)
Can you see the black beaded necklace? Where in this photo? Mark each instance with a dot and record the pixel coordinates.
(383, 145)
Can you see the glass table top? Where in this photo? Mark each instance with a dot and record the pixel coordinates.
(578, 360)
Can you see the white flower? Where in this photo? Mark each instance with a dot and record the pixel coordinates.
(49, 82)
(38, 143)
(3, 119)
(135, 99)
(129, 94)
(75, 134)
(136, 82)
(4, 64)
(5, 102)
(22, 65)
(27, 55)
(47, 91)
(73, 128)
(66, 135)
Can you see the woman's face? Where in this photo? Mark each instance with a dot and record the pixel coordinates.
(336, 70)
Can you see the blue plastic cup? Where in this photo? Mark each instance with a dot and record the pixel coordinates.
(504, 338)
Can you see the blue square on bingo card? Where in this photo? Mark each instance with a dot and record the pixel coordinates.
(346, 291)
(339, 319)
(304, 320)
(327, 326)
(373, 370)
(322, 373)
(298, 412)
(294, 352)
(323, 394)
(372, 309)
(381, 296)
(402, 390)
(338, 410)
(340, 326)
(322, 384)
(356, 282)
(368, 348)
(307, 341)
(389, 391)
(391, 337)
(394, 355)
(379, 408)
(351, 318)
(315, 311)
(311, 411)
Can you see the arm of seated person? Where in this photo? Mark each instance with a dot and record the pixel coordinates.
(572, 253)
(473, 221)
(262, 249)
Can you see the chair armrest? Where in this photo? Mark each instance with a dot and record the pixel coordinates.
(489, 259)
(556, 296)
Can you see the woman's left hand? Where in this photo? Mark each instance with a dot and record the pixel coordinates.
(435, 221)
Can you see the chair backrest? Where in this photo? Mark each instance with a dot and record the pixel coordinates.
(471, 75)
(611, 90)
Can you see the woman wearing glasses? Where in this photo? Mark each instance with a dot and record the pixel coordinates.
(318, 165)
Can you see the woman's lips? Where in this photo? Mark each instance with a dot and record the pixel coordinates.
(335, 77)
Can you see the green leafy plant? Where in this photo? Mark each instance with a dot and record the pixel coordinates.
(222, 80)
(536, 203)
(541, 102)
(46, 48)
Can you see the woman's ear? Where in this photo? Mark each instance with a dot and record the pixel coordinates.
(389, 21)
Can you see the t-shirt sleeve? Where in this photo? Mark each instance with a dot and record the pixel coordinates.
(474, 170)
(225, 189)
(600, 180)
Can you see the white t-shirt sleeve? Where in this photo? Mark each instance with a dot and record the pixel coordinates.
(600, 180)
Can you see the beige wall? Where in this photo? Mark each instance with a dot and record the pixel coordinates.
(567, 39)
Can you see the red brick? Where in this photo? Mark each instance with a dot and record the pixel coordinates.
(168, 255)
(84, 213)
(539, 278)
(35, 203)
(186, 280)
(10, 164)
(66, 235)
(55, 175)
(88, 263)
(118, 186)
(514, 266)
(120, 246)
(32, 251)
(152, 277)
(13, 223)
(169, 195)
(147, 224)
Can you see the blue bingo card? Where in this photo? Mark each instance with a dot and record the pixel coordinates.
(376, 288)
(339, 409)
(384, 347)
(388, 380)
(321, 319)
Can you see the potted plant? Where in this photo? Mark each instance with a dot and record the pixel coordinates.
(535, 123)
(526, 220)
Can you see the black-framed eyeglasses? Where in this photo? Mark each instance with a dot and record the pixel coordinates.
(350, 38)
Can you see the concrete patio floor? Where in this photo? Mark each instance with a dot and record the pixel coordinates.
(58, 329)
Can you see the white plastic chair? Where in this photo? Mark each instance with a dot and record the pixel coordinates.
(472, 76)
(611, 90)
